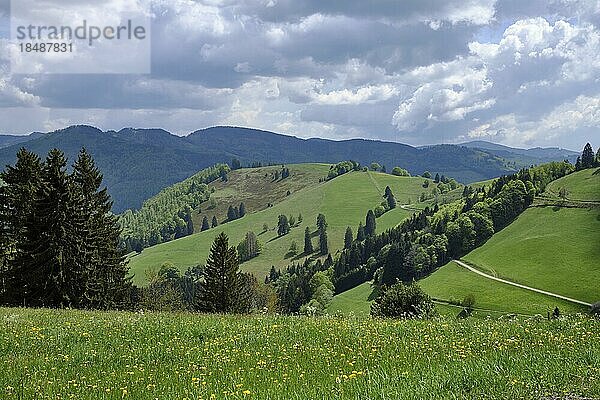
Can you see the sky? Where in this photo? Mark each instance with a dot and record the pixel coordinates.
(520, 73)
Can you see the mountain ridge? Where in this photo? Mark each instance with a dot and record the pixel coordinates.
(138, 162)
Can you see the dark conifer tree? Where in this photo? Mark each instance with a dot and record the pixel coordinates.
(308, 246)
(242, 210)
(388, 192)
(323, 245)
(105, 271)
(49, 255)
(214, 223)
(20, 193)
(348, 238)
(235, 164)
(578, 164)
(283, 225)
(370, 224)
(231, 214)
(205, 225)
(360, 234)
(587, 157)
(222, 281)
(391, 201)
(321, 222)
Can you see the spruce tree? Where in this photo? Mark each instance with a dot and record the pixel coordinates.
(321, 222)
(323, 245)
(105, 271)
(222, 282)
(388, 192)
(205, 225)
(360, 234)
(214, 223)
(49, 255)
(308, 246)
(391, 201)
(22, 186)
(231, 214)
(370, 224)
(242, 210)
(587, 157)
(283, 225)
(348, 238)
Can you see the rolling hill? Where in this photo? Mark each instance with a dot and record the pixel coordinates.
(550, 247)
(9, 140)
(344, 201)
(537, 155)
(138, 163)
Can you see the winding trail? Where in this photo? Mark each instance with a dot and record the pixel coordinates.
(558, 296)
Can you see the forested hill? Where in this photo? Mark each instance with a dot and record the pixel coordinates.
(138, 163)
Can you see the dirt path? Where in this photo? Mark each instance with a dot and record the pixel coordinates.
(558, 296)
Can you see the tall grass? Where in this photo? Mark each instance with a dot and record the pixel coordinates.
(46, 354)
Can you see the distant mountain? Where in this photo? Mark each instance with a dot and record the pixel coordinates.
(138, 163)
(9, 140)
(535, 155)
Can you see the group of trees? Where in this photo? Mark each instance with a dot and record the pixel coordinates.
(280, 175)
(168, 215)
(249, 247)
(285, 224)
(234, 212)
(299, 284)
(341, 168)
(60, 242)
(387, 204)
(217, 287)
(205, 225)
(400, 172)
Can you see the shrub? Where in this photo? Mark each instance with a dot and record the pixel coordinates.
(379, 211)
(403, 301)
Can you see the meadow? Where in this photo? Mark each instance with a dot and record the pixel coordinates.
(452, 283)
(60, 354)
(582, 186)
(344, 201)
(549, 248)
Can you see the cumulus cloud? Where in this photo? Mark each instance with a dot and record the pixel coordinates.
(423, 71)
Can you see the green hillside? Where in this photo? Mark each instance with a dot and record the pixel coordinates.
(550, 248)
(344, 201)
(257, 188)
(355, 301)
(553, 249)
(452, 283)
(582, 186)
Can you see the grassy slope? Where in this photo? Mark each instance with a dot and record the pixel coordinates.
(554, 249)
(344, 201)
(582, 185)
(355, 301)
(50, 354)
(453, 283)
(548, 247)
(256, 191)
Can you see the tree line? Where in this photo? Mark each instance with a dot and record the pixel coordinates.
(168, 215)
